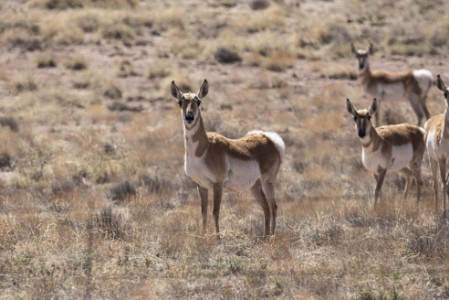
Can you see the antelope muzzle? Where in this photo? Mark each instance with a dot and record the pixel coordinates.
(189, 117)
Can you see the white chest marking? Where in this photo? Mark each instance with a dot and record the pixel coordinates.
(400, 158)
(196, 169)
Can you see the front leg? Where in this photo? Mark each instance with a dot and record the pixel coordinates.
(434, 168)
(218, 194)
(377, 113)
(204, 200)
(379, 176)
(444, 179)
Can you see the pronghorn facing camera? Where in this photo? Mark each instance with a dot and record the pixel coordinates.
(437, 143)
(389, 148)
(387, 86)
(218, 164)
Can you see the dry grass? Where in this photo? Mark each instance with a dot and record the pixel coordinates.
(94, 201)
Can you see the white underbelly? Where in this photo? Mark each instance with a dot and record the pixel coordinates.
(400, 158)
(241, 175)
(391, 92)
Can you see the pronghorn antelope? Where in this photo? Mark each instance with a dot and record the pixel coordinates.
(412, 84)
(437, 143)
(389, 148)
(218, 164)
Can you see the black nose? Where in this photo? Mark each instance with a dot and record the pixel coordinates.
(361, 66)
(362, 133)
(189, 117)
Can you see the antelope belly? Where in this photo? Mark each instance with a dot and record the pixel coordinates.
(241, 175)
(400, 158)
(392, 91)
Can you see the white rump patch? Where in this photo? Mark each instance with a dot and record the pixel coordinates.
(424, 78)
(275, 138)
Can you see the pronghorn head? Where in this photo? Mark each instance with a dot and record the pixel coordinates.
(362, 117)
(442, 86)
(362, 56)
(189, 102)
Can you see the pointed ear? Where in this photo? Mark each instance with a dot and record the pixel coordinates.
(373, 108)
(350, 108)
(204, 89)
(440, 84)
(370, 49)
(353, 48)
(175, 92)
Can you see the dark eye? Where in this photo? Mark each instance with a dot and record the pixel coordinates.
(368, 117)
(180, 102)
(355, 117)
(198, 101)
(446, 93)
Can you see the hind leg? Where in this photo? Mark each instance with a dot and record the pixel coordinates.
(268, 188)
(415, 167)
(443, 175)
(409, 180)
(258, 193)
(434, 167)
(419, 108)
(419, 182)
(377, 113)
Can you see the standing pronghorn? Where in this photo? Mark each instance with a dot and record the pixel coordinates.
(412, 84)
(389, 148)
(437, 143)
(220, 164)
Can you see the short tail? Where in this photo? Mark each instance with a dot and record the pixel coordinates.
(275, 138)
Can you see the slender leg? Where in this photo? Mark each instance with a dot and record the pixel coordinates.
(434, 167)
(204, 199)
(380, 176)
(444, 201)
(218, 194)
(419, 182)
(418, 107)
(425, 109)
(409, 177)
(447, 194)
(377, 113)
(268, 188)
(442, 164)
(260, 197)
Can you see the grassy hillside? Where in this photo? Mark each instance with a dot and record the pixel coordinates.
(94, 202)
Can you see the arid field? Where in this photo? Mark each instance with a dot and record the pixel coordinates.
(94, 201)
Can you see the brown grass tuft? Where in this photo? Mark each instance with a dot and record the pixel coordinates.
(71, 4)
(25, 83)
(46, 60)
(76, 63)
(119, 32)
